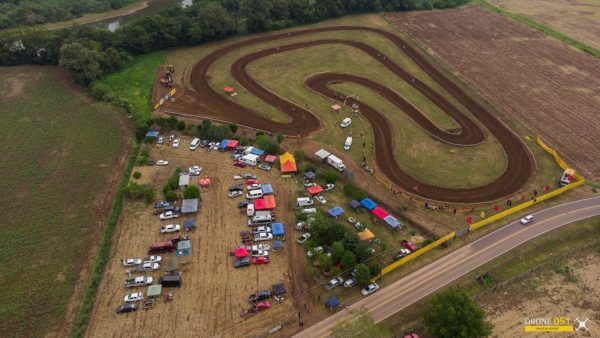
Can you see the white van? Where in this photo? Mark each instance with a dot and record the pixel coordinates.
(262, 216)
(309, 211)
(348, 143)
(346, 122)
(252, 194)
(195, 144)
(250, 210)
(250, 159)
(304, 201)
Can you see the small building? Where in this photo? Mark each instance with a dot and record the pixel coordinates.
(190, 205)
(336, 108)
(184, 180)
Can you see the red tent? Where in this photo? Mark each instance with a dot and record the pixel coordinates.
(266, 203)
(315, 190)
(204, 182)
(228, 89)
(232, 143)
(240, 253)
(380, 213)
(271, 158)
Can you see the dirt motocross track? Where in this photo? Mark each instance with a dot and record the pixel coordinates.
(216, 106)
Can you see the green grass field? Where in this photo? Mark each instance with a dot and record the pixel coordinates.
(58, 148)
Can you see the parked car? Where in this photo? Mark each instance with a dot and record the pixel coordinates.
(169, 215)
(243, 204)
(258, 252)
(161, 204)
(346, 122)
(526, 220)
(350, 282)
(147, 267)
(264, 167)
(195, 170)
(260, 295)
(249, 176)
(153, 259)
(132, 261)
(400, 253)
(309, 184)
(329, 186)
(176, 143)
(369, 289)
(162, 162)
(165, 229)
(138, 281)
(314, 252)
(351, 220)
(236, 187)
(301, 226)
(127, 307)
(409, 245)
(239, 164)
(134, 297)
(260, 306)
(263, 237)
(254, 186)
(160, 140)
(337, 281)
(260, 260)
(235, 193)
(321, 199)
(237, 177)
(261, 229)
(241, 262)
(303, 238)
(173, 208)
(359, 226)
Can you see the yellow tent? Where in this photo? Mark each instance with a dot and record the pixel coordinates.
(287, 163)
(366, 235)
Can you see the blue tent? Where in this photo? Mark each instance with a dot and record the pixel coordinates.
(310, 175)
(184, 248)
(267, 189)
(392, 222)
(335, 212)
(189, 224)
(256, 151)
(223, 144)
(277, 245)
(368, 203)
(151, 133)
(277, 229)
(332, 302)
(354, 204)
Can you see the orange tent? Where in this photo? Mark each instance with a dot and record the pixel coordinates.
(204, 182)
(287, 163)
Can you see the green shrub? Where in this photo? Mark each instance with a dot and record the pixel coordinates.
(181, 125)
(352, 191)
(137, 175)
(331, 176)
(363, 274)
(170, 196)
(191, 191)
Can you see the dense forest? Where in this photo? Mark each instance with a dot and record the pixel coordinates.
(30, 12)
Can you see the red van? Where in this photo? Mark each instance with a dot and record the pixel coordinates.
(161, 247)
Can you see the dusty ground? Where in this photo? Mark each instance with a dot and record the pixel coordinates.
(550, 294)
(550, 88)
(214, 293)
(577, 19)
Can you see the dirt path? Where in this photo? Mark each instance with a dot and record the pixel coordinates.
(206, 102)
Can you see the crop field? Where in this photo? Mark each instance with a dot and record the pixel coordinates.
(578, 19)
(62, 159)
(548, 87)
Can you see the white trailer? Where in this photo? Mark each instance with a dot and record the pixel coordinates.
(249, 159)
(335, 162)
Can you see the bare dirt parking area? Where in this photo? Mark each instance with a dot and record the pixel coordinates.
(213, 293)
(550, 88)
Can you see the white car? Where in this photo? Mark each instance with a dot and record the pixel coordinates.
(309, 184)
(132, 261)
(133, 297)
(264, 167)
(257, 253)
(176, 143)
(329, 186)
(346, 122)
(165, 229)
(337, 281)
(303, 238)
(237, 177)
(527, 219)
(162, 162)
(148, 266)
(350, 282)
(254, 187)
(263, 237)
(152, 259)
(161, 140)
(359, 226)
(195, 170)
(369, 289)
(235, 193)
(321, 199)
(168, 215)
(314, 251)
(265, 229)
(351, 220)
(138, 281)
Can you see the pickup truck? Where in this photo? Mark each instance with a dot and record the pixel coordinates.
(138, 281)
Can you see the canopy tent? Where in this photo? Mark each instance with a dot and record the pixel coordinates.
(278, 289)
(204, 182)
(240, 253)
(322, 154)
(393, 222)
(368, 204)
(189, 224)
(366, 235)
(228, 89)
(171, 264)
(154, 291)
(271, 158)
(336, 108)
(380, 213)
(152, 133)
(223, 144)
(232, 144)
(277, 229)
(184, 180)
(267, 189)
(287, 163)
(257, 152)
(310, 175)
(277, 245)
(315, 190)
(354, 204)
(265, 203)
(184, 248)
(335, 212)
(189, 206)
(332, 302)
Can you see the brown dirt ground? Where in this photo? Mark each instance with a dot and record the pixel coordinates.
(214, 293)
(577, 19)
(548, 295)
(547, 86)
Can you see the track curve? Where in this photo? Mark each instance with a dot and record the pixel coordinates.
(520, 161)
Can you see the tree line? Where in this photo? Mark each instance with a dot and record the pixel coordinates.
(88, 53)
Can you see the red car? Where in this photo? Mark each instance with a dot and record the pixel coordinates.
(260, 306)
(239, 164)
(409, 245)
(260, 260)
(252, 181)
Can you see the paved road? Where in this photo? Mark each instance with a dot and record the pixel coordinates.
(423, 282)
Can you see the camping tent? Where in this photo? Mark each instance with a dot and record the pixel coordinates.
(278, 289)
(257, 152)
(152, 133)
(184, 248)
(171, 264)
(240, 252)
(270, 158)
(332, 302)
(368, 204)
(189, 224)
(154, 291)
(287, 163)
(354, 204)
(189, 206)
(232, 144)
(392, 222)
(335, 212)
(277, 245)
(223, 144)
(265, 203)
(380, 213)
(322, 154)
(366, 235)
(267, 189)
(315, 190)
(310, 175)
(277, 229)
(204, 182)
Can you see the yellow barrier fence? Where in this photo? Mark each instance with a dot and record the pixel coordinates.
(579, 181)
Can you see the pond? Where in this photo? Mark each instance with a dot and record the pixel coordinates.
(154, 6)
